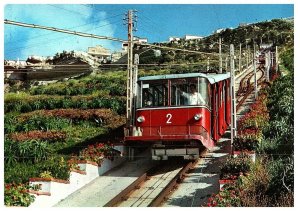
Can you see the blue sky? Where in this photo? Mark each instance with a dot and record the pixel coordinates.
(155, 22)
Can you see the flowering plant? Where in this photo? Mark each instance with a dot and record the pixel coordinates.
(251, 133)
(39, 135)
(73, 162)
(97, 152)
(257, 117)
(227, 197)
(17, 195)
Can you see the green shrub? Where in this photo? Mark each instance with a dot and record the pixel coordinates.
(57, 166)
(28, 151)
(255, 185)
(10, 123)
(287, 58)
(86, 86)
(281, 176)
(31, 103)
(20, 172)
(233, 167)
(37, 122)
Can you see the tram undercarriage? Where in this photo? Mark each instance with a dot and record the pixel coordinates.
(161, 151)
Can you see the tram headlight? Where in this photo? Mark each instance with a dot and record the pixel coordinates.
(140, 119)
(197, 117)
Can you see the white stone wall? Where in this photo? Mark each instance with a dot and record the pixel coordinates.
(59, 190)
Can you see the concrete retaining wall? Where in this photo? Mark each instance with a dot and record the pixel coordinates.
(54, 190)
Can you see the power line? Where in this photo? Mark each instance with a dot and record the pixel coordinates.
(54, 39)
(70, 29)
(61, 30)
(178, 49)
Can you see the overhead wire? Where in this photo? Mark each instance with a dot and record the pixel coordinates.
(106, 19)
(50, 33)
(55, 39)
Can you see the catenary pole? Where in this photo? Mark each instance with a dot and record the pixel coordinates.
(129, 70)
(254, 69)
(233, 102)
(220, 55)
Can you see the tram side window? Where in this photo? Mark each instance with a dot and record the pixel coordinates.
(192, 91)
(155, 95)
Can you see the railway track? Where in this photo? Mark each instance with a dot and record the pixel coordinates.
(153, 187)
(246, 87)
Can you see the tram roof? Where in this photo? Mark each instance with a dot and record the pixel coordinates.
(212, 77)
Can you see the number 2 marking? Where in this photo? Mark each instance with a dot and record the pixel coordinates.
(169, 116)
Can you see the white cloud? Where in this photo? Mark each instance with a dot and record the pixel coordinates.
(22, 42)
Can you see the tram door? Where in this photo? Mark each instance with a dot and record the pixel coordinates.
(227, 102)
(215, 112)
(221, 109)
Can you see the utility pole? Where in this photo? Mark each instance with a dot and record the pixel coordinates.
(130, 101)
(129, 69)
(247, 58)
(226, 63)
(130, 90)
(233, 126)
(254, 68)
(272, 59)
(240, 57)
(276, 58)
(207, 68)
(220, 55)
(267, 65)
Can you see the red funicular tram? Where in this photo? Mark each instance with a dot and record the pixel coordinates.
(176, 114)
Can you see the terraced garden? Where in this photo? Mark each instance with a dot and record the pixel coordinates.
(47, 128)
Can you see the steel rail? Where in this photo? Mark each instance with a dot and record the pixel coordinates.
(175, 181)
(162, 195)
(250, 88)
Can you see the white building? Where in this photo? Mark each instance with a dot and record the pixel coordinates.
(192, 37)
(100, 53)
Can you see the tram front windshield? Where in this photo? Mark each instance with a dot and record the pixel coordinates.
(174, 92)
